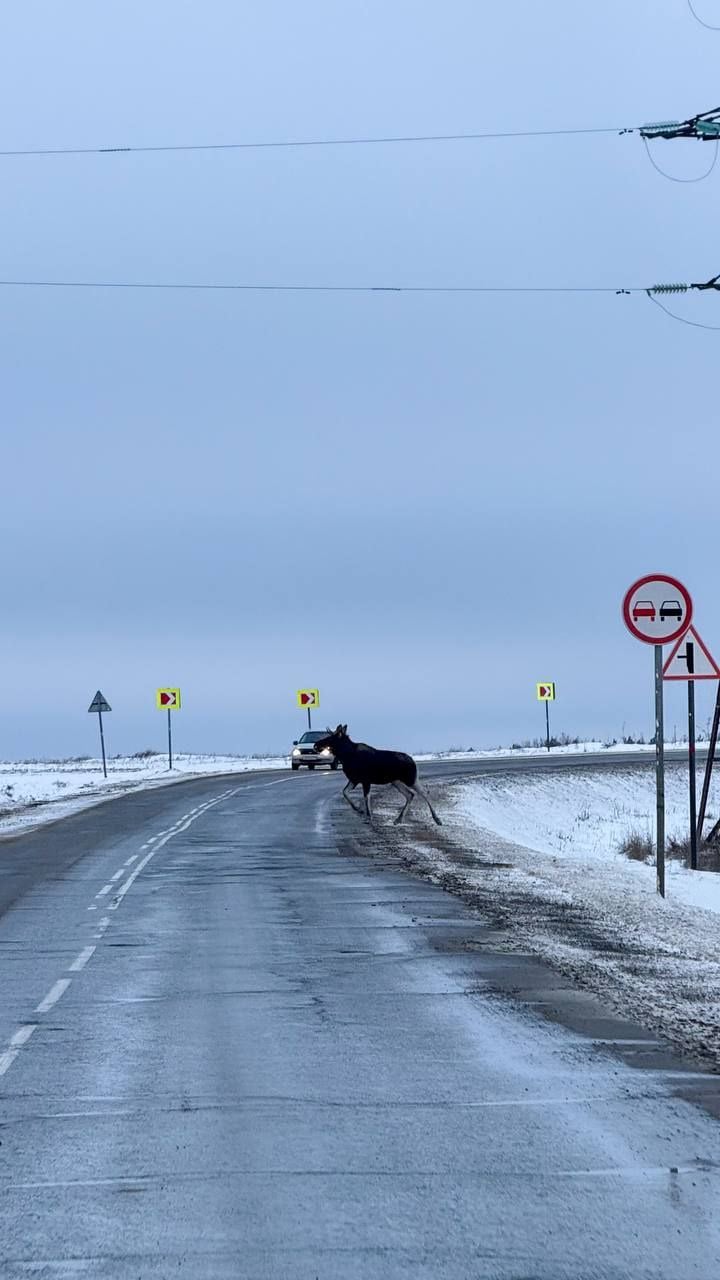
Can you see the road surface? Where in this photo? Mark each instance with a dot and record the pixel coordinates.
(232, 1049)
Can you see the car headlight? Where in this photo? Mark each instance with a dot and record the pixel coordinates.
(325, 751)
(296, 751)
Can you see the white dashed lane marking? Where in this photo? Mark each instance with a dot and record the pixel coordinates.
(57, 990)
(22, 1035)
(81, 960)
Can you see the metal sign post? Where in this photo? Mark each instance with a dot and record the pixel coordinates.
(659, 774)
(546, 694)
(691, 660)
(709, 765)
(98, 705)
(657, 609)
(691, 759)
(168, 700)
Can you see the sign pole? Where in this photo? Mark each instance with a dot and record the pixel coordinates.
(658, 610)
(709, 766)
(547, 724)
(691, 756)
(660, 771)
(98, 705)
(102, 743)
(309, 719)
(169, 739)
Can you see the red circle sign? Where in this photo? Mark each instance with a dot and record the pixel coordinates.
(657, 609)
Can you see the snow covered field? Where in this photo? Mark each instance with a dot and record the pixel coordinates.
(583, 817)
(34, 791)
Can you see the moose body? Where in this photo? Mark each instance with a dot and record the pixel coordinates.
(367, 767)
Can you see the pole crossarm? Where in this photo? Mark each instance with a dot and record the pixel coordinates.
(679, 287)
(705, 127)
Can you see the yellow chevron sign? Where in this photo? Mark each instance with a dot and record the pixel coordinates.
(546, 691)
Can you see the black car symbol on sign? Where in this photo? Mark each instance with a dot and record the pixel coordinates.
(671, 609)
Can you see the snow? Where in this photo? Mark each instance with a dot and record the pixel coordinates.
(585, 816)
(36, 791)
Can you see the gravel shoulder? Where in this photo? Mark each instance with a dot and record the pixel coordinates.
(650, 960)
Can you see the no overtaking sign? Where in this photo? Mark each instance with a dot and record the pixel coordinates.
(657, 609)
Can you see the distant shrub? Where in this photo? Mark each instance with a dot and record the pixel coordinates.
(145, 755)
(638, 847)
(708, 855)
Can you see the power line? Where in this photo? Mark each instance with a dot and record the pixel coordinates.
(309, 142)
(320, 288)
(700, 178)
(697, 17)
(695, 324)
(194, 286)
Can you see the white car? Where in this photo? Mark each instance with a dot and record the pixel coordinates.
(304, 753)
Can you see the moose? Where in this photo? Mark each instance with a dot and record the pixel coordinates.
(368, 767)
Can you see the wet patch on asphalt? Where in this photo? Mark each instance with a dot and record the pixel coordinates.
(507, 927)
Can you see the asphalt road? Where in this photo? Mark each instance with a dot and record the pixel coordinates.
(233, 1047)
(554, 761)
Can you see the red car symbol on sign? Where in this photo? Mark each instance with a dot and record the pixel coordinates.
(644, 609)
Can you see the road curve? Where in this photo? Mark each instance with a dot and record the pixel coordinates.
(448, 768)
(230, 1047)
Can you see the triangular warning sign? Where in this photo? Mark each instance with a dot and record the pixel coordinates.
(99, 704)
(690, 659)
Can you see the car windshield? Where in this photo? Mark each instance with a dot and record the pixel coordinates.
(313, 736)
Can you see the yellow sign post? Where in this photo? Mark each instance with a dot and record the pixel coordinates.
(546, 694)
(308, 698)
(168, 700)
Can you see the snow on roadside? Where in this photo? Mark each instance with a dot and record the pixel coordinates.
(586, 816)
(36, 791)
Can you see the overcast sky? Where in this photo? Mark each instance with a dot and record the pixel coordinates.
(422, 504)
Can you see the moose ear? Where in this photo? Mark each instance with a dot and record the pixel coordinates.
(339, 729)
(344, 729)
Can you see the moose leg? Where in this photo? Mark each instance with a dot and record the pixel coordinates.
(349, 786)
(408, 797)
(419, 792)
(366, 793)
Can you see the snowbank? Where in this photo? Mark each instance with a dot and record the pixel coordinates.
(583, 817)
